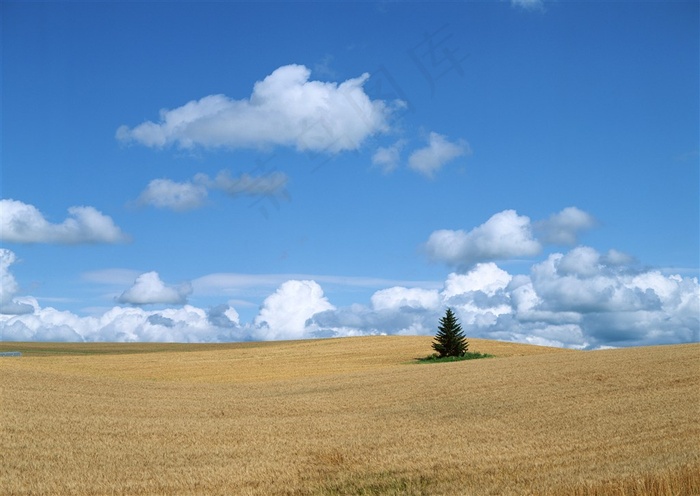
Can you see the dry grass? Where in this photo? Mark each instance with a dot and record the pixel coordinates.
(349, 416)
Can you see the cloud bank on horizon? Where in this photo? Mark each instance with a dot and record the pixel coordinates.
(579, 298)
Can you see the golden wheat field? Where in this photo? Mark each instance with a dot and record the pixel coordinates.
(348, 416)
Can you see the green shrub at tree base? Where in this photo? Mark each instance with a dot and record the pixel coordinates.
(469, 355)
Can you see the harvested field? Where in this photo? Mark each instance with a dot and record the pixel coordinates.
(348, 416)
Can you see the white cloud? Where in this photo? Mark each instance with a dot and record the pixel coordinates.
(509, 235)
(528, 306)
(614, 257)
(387, 158)
(8, 284)
(439, 152)
(285, 109)
(23, 223)
(284, 313)
(505, 235)
(165, 193)
(479, 295)
(485, 277)
(563, 227)
(9, 287)
(591, 286)
(582, 261)
(399, 297)
(148, 289)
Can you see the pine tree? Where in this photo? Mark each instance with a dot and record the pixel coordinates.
(449, 339)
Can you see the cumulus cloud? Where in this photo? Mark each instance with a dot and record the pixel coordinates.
(24, 223)
(399, 297)
(387, 158)
(224, 316)
(284, 314)
(485, 277)
(479, 295)
(580, 281)
(165, 193)
(148, 289)
(563, 227)
(617, 307)
(439, 152)
(284, 109)
(505, 235)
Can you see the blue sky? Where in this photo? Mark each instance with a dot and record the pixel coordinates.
(235, 171)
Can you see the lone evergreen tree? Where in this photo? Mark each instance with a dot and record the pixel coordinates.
(450, 340)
